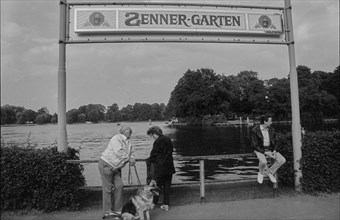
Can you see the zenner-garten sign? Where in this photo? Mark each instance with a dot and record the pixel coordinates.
(105, 20)
(166, 22)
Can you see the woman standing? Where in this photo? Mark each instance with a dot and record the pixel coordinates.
(161, 157)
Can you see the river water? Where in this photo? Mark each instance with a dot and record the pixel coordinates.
(92, 139)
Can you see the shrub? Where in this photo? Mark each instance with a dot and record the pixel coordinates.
(320, 161)
(40, 178)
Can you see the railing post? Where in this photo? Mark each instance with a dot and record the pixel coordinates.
(276, 185)
(202, 186)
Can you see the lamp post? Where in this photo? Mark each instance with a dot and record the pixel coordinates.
(62, 134)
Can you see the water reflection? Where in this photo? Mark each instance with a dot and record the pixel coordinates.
(198, 141)
(220, 169)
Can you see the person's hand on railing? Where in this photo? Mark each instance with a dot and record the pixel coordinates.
(274, 154)
(270, 154)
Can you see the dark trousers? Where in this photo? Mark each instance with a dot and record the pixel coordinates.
(165, 184)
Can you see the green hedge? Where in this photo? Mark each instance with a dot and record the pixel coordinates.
(40, 179)
(320, 161)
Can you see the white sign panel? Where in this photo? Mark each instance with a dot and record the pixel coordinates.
(158, 20)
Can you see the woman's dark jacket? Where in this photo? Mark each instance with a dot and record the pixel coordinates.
(161, 156)
(257, 139)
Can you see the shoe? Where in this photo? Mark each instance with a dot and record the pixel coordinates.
(260, 178)
(271, 177)
(165, 207)
(106, 216)
(115, 213)
(112, 215)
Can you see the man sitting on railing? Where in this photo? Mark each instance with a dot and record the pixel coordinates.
(263, 142)
(117, 154)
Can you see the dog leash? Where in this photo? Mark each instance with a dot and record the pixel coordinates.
(130, 176)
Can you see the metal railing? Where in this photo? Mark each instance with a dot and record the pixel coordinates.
(201, 160)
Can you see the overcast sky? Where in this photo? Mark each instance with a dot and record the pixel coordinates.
(144, 73)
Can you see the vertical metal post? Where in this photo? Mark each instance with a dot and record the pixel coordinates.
(276, 185)
(202, 186)
(294, 93)
(62, 134)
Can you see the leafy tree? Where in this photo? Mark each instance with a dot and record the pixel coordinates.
(43, 118)
(72, 116)
(27, 115)
(279, 98)
(304, 77)
(197, 93)
(331, 84)
(81, 118)
(315, 105)
(9, 114)
(54, 118)
(146, 113)
(19, 118)
(245, 82)
(136, 110)
(170, 109)
(101, 109)
(112, 113)
(43, 110)
(157, 111)
(127, 113)
(94, 116)
(228, 91)
(258, 97)
(86, 109)
(82, 109)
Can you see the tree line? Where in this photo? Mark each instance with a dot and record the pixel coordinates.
(203, 95)
(19, 115)
(87, 113)
(98, 113)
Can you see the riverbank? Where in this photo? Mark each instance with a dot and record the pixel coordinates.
(232, 200)
(287, 206)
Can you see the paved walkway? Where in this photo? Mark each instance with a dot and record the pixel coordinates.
(299, 206)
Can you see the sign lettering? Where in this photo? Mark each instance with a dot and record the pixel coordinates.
(137, 19)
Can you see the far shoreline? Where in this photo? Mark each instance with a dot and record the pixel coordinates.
(166, 122)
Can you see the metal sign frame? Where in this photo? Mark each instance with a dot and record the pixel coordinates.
(75, 35)
(68, 37)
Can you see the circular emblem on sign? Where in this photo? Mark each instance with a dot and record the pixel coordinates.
(96, 19)
(265, 21)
